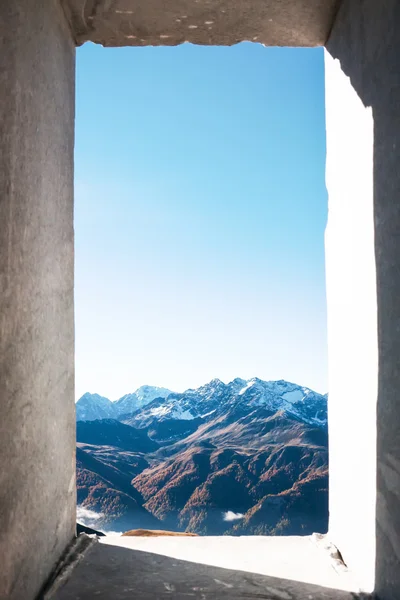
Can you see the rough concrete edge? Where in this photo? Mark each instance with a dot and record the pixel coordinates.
(335, 14)
(66, 11)
(323, 542)
(73, 555)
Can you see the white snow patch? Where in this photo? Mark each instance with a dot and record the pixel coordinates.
(185, 415)
(246, 387)
(208, 414)
(172, 412)
(159, 411)
(293, 396)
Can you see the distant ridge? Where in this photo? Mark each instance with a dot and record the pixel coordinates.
(247, 457)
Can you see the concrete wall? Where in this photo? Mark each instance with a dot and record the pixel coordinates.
(220, 22)
(352, 322)
(366, 41)
(37, 427)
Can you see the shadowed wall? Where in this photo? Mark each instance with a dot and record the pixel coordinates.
(37, 428)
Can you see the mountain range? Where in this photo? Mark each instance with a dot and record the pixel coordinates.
(92, 406)
(247, 457)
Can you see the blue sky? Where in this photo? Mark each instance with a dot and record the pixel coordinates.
(199, 217)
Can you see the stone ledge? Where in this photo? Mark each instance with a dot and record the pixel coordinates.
(206, 22)
(107, 570)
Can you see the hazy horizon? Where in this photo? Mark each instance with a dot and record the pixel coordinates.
(199, 217)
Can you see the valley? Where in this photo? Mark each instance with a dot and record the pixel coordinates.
(244, 458)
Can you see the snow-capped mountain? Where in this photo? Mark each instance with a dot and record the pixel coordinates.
(143, 396)
(92, 406)
(216, 397)
(258, 449)
(297, 401)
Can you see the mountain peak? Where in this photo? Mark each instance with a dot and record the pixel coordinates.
(238, 381)
(216, 382)
(130, 403)
(150, 392)
(93, 406)
(89, 396)
(207, 401)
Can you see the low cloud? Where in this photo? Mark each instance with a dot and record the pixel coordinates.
(86, 516)
(232, 516)
(90, 518)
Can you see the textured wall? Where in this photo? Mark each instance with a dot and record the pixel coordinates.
(366, 40)
(352, 323)
(220, 22)
(37, 428)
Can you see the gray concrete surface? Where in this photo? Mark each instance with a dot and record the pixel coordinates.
(307, 559)
(218, 22)
(37, 426)
(122, 574)
(366, 41)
